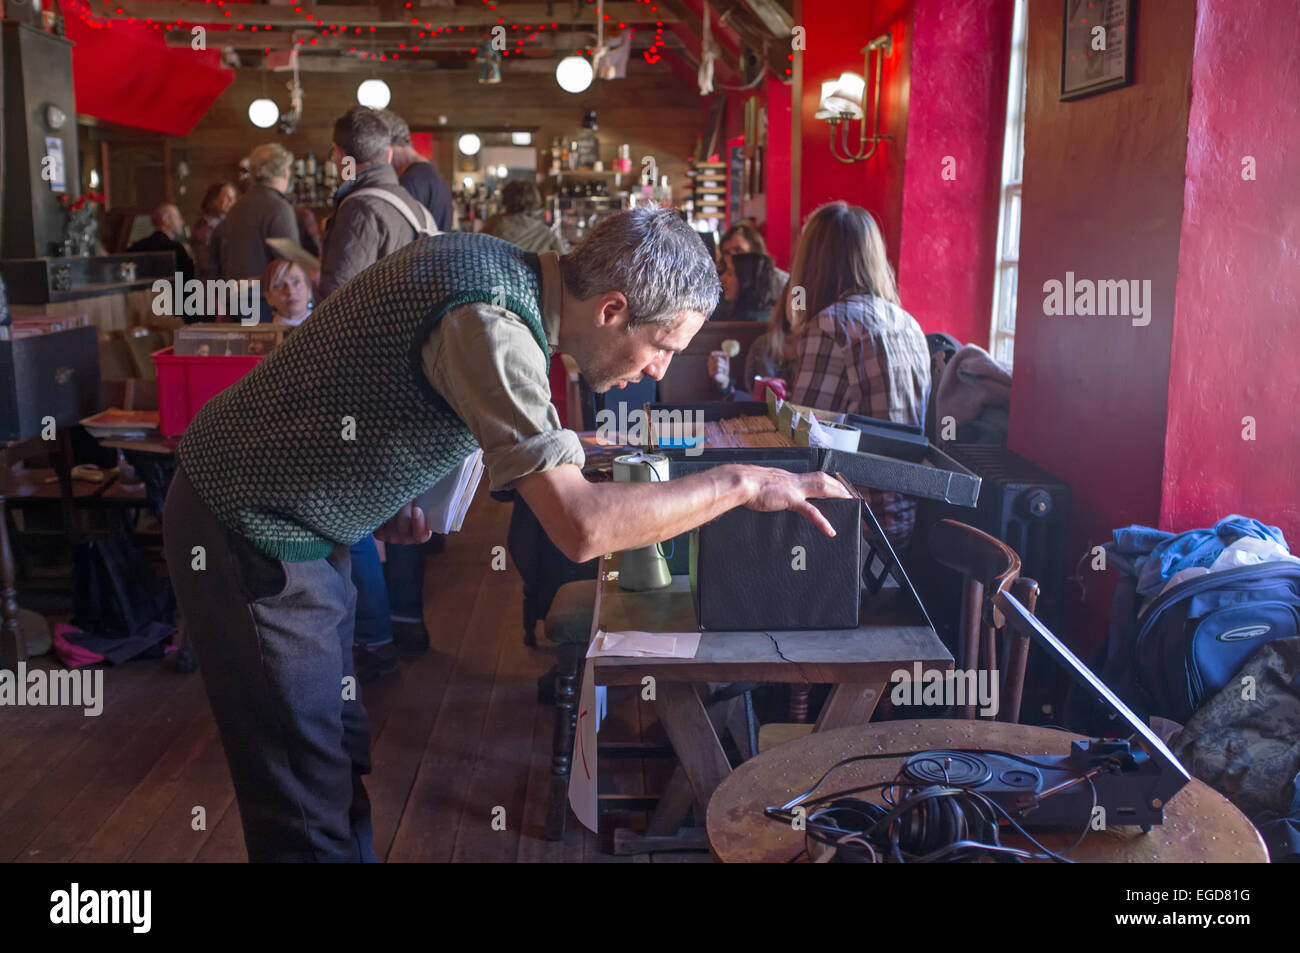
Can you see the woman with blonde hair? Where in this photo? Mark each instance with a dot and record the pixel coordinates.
(858, 351)
(287, 289)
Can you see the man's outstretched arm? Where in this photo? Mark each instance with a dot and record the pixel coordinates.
(586, 520)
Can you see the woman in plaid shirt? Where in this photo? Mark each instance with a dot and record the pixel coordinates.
(858, 350)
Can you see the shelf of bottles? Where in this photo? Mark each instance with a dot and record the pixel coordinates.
(707, 206)
(314, 182)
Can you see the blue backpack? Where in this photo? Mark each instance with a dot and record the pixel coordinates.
(1194, 638)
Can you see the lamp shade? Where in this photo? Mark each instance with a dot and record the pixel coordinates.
(263, 113)
(469, 144)
(574, 74)
(843, 96)
(374, 93)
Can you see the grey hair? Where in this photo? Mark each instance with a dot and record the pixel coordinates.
(399, 132)
(269, 161)
(364, 134)
(650, 255)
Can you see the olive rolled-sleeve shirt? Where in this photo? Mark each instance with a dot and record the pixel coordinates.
(486, 364)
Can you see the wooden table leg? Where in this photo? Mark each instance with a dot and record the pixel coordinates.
(13, 647)
(673, 806)
(849, 704)
(799, 703)
(702, 765)
(695, 741)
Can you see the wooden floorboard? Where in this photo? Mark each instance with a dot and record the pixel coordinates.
(226, 843)
(80, 747)
(456, 733)
(399, 742)
(128, 825)
(160, 722)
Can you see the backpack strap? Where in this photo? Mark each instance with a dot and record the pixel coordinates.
(427, 227)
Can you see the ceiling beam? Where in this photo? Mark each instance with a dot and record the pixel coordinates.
(772, 16)
(347, 64)
(368, 15)
(690, 29)
(771, 49)
(387, 41)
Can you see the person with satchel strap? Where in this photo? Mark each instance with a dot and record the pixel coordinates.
(374, 216)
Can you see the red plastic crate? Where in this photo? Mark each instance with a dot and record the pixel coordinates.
(186, 383)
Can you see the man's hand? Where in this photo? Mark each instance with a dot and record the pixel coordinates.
(772, 490)
(407, 528)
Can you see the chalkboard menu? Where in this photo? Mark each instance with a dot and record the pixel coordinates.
(588, 150)
(735, 183)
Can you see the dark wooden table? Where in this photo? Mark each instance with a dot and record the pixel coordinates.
(856, 662)
(1200, 824)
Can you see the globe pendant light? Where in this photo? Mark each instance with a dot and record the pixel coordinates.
(574, 74)
(374, 93)
(263, 113)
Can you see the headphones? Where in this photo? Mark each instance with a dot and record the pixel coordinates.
(917, 823)
(952, 823)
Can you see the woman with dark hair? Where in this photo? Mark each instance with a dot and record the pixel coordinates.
(749, 288)
(217, 201)
(520, 224)
(771, 354)
(858, 351)
(743, 238)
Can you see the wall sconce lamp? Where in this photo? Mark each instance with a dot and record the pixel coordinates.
(845, 99)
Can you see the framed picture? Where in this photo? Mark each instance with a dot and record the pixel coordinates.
(1097, 46)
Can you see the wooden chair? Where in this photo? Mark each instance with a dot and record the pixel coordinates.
(987, 566)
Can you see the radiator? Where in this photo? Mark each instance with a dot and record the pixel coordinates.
(1028, 509)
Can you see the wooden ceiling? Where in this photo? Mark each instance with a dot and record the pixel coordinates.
(418, 35)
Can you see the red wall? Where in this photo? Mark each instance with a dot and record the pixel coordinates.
(949, 235)
(777, 230)
(945, 85)
(1103, 198)
(836, 34)
(1236, 330)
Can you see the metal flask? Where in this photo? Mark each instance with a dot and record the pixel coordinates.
(645, 568)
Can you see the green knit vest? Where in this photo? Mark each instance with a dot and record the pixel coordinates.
(338, 428)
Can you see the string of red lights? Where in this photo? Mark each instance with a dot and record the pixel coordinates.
(528, 31)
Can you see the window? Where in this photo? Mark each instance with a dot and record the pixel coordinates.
(1003, 333)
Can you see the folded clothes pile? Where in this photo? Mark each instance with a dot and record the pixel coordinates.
(1160, 559)
(76, 648)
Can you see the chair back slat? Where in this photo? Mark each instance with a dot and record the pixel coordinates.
(987, 566)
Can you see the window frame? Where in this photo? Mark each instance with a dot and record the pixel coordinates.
(1002, 323)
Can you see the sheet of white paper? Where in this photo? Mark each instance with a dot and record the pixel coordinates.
(817, 435)
(447, 502)
(582, 764)
(644, 644)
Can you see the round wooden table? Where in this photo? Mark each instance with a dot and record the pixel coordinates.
(1200, 824)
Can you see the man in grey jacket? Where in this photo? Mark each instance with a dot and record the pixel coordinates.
(239, 247)
(366, 226)
(373, 217)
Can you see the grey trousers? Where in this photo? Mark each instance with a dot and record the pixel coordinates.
(274, 645)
